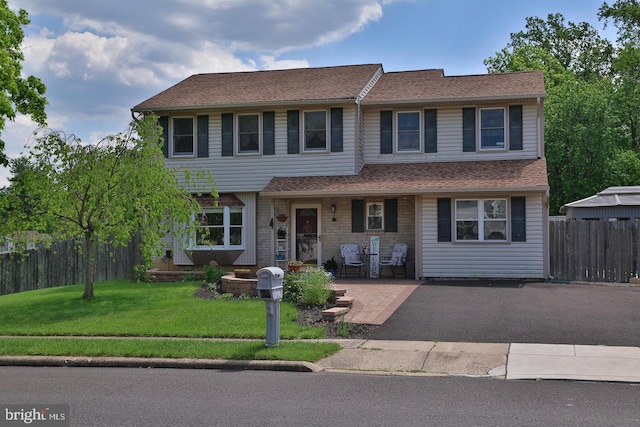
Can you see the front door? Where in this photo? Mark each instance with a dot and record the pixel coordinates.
(307, 234)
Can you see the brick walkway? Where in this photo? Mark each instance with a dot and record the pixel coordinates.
(375, 299)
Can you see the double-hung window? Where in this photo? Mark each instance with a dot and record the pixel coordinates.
(183, 136)
(221, 227)
(408, 133)
(248, 133)
(315, 131)
(492, 129)
(375, 216)
(481, 220)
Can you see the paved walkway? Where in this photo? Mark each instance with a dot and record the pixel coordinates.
(377, 299)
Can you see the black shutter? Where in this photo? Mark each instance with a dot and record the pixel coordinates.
(386, 132)
(518, 219)
(336, 130)
(227, 134)
(293, 132)
(468, 129)
(431, 131)
(444, 220)
(515, 127)
(357, 216)
(164, 122)
(269, 132)
(203, 136)
(391, 215)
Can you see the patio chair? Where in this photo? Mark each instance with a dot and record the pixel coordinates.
(397, 259)
(350, 258)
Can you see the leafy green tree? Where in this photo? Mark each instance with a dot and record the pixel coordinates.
(17, 94)
(109, 191)
(591, 109)
(625, 15)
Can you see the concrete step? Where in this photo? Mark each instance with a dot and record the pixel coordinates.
(334, 313)
(338, 292)
(344, 301)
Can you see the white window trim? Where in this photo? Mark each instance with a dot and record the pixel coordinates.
(226, 221)
(236, 135)
(193, 141)
(481, 220)
(505, 129)
(397, 131)
(327, 127)
(367, 216)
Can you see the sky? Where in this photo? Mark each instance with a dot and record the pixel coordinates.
(99, 58)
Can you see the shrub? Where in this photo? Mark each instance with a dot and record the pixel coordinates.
(292, 287)
(316, 286)
(213, 273)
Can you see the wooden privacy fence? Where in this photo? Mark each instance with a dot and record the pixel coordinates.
(63, 264)
(594, 251)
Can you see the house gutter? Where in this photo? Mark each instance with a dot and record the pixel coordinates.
(463, 100)
(399, 192)
(254, 105)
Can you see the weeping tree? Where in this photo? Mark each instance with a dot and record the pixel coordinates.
(109, 191)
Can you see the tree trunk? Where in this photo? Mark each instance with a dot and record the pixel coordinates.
(89, 267)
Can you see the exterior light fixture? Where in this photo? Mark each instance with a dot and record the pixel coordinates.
(333, 210)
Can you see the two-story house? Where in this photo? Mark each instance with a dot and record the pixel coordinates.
(452, 166)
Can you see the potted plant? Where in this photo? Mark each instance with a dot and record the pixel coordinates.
(282, 217)
(294, 265)
(331, 266)
(282, 233)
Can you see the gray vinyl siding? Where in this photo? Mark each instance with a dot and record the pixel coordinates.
(478, 259)
(449, 137)
(250, 173)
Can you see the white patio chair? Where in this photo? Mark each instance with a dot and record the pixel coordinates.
(350, 258)
(397, 258)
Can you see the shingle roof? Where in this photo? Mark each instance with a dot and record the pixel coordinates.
(434, 86)
(420, 178)
(255, 87)
(612, 196)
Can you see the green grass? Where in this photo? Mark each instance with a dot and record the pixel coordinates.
(166, 348)
(124, 309)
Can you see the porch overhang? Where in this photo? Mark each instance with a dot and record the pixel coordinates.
(497, 176)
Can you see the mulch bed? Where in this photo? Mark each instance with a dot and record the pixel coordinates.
(311, 316)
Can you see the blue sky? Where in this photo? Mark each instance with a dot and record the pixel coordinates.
(98, 59)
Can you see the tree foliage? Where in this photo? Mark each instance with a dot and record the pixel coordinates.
(17, 94)
(109, 191)
(592, 107)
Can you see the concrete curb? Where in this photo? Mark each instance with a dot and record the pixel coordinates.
(134, 362)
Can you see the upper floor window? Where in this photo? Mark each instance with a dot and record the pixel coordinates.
(183, 136)
(481, 220)
(248, 133)
(408, 134)
(315, 131)
(492, 128)
(221, 227)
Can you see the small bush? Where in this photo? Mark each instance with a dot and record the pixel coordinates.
(292, 287)
(213, 273)
(316, 286)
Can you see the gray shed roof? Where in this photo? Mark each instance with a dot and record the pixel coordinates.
(612, 196)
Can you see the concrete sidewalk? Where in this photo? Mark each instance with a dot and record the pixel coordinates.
(503, 361)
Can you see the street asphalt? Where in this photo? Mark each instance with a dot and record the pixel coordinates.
(517, 312)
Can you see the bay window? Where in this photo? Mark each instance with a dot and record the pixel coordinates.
(221, 228)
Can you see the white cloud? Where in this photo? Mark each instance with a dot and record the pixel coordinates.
(98, 60)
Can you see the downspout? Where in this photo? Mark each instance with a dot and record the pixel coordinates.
(540, 125)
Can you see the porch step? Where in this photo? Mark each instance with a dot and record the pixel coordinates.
(344, 302)
(334, 312)
(335, 294)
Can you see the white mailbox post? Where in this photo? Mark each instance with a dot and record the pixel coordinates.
(270, 290)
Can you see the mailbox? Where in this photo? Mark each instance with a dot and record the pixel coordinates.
(270, 290)
(270, 283)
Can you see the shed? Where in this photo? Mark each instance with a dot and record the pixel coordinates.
(611, 204)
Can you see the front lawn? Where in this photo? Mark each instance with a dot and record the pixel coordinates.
(125, 309)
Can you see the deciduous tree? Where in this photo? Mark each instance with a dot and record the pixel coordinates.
(17, 94)
(109, 191)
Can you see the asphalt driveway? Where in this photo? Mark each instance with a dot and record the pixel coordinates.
(522, 312)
